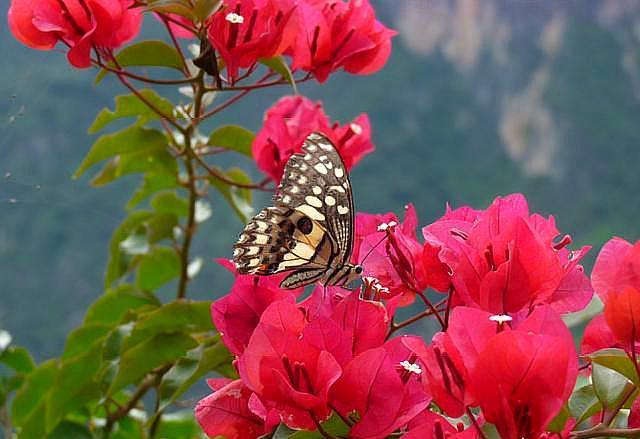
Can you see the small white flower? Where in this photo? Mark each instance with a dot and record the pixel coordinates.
(500, 318)
(411, 367)
(384, 226)
(357, 129)
(234, 18)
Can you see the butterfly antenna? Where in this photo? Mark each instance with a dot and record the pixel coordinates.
(373, 248)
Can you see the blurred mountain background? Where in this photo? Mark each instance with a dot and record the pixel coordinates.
(480, 98)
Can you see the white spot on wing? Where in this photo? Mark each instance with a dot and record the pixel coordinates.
(317, 190)
(311, 212)
(287, 199)
(330, 200)
(314, 201)
(320, 168)
(326, 146)
(311, 147)
(339, 172)
(343, 210)
(263, 239)
(337, 188)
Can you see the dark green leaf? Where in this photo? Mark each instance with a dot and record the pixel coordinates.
(74, 385)
(617, 360)
(170, 202)
(70, 430)
(127, 428)
(132, 106)
(82, 339)
(584, 403)
(558, 423)
(30, 399)
(161, 226)
(118, 263)
(18, 359)
(133, 139)
(191, 368)
(146, 356)
(159, 266)
(147, 53)
(279, 65)
(232, 137)
(179, 316)
(152, 183)
(238, 198)
(608, 384)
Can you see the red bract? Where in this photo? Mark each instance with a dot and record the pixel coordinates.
(617, 267)
(396, 258)
(243, 31)
(338, 34)
(521, 380)
(288, 123)
(505, 260)
(431, 425)
(622, 313)
(237, 314)
(287, 373)
(226, 413)
(81, 25)
(382, 385)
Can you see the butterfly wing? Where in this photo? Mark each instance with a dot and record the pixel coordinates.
(310, 228)
(317, 184)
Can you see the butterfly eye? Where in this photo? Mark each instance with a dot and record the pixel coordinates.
(305, 225)
(358, 269)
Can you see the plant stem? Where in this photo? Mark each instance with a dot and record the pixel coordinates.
(433, 309)
(602, 431)
(474, 421)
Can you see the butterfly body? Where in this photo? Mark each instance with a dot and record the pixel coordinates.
(309, 230)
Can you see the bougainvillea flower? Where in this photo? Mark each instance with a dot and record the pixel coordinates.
(382, 386)
(288, 123)
(338, 34)
(81, 25)
(521, 380)
(287, 373)
(354, 325)
(243, 31)
(634, 415)
(506, 260)
(622, 313)
(236, 315)
(226, 413)
(396, 258)
(451, 355)
(431, 425)
(617, 267)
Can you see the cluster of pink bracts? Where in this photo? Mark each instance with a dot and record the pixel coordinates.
(504, 356)
(320, 36)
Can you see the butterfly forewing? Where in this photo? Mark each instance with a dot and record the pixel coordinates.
(310, 229)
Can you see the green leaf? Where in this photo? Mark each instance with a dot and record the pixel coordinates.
(204, 8)
(18, 359)
(190, 369)
(180, 316)
(152, 183)
(117, 264)
(82, 339)
(584, 403)
(617, 360)
(558, 423)
(279, 65)
(30, 399)
(74, 386)
(179, 425)
(232, 137)
(147, 53)
(159, 266)
(146, 356)
(132, 139)
(150, 160)
(238, 198)
(608, 384)
(70, 430)
(161, 226)
(170, 202)
(132, 106)
(334, 426)
(179, 7)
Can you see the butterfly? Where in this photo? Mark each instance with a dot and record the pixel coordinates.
(309, 229)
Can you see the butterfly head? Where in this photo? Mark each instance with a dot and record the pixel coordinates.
(346, 275)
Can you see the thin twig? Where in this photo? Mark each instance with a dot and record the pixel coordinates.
(435, 311)
(474, 421)
(262, 186)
